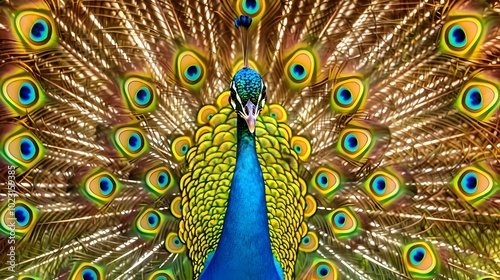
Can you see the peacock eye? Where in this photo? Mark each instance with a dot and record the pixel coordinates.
(139, 94)
(321, 269)
(162, 275)
(36, 29)
(348, 95)
(478, 99)
(309, 243)
(461, 36)
(20, 92)
(130, 141)
(24, 214)
(100, 187)
(191, 69)
(173, 244)
(87, 271)
(344, 223)
(148, 223)
(475, 184)
(301, 67)
(21, 148)
(420, 260)
(180, 147)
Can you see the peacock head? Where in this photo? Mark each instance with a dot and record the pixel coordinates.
(248, 95)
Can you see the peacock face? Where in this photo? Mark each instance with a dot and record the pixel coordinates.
(248, 95)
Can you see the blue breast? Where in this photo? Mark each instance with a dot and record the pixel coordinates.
(244, 250)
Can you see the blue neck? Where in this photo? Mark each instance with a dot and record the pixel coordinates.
(244, 249)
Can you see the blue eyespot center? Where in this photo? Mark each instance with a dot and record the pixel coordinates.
(340, 219)
(162, 179)
(344, 96)
(298, 71)
(193, 72)
(161, 278)
(89, 274)
(152, 220)
(27, 93)
(457, 37)
(306, 240)
(379, 185)
(28, 149)
(274, 115)
(143, 96)
(469, 183)
(297, 149)
(323, 271)
(134, 142)
(39, 31)
(417, 255)
(184, 149)
(177, 242)
(251, 6)
(351, 142)
(473, 99)
(323, 180)
(105, 185)
(22, 215)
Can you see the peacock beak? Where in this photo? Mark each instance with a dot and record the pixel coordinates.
(250, 113)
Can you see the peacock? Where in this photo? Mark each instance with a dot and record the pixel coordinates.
(250, 139)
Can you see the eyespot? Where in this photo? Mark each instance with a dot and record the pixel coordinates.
(348, 95)
(173, 244)
(148, 223)
(21, 148)
(158, 180)
(301, 146)
(139, 94)
(35, 29)
(205, 114)
(176, 207)
(180, 147)
(21, 93)
(252, 8)
(475, 184)
(130, 141)
(478, 99)
(310, 206)
(22, 213)
(223, 99)
(277, 112)
(162, 275)
(321, 269)
(100, 187)
(461, 36)
(301, 67)
(487, 278)
(383, 187)
(420, 260)
(326, 181)
(309, 243)
(191, 70)
(344, 223)
(87, 271)
(355, 143)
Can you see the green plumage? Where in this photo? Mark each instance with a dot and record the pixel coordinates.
(376, 132)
